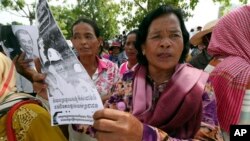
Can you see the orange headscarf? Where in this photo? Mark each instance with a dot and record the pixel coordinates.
(7, 77)
(8, 81)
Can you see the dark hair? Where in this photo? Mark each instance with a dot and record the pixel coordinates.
(131, 32)
(146, 22)
(88, 21)
(1, 49)
(10, 41)
(206, 39)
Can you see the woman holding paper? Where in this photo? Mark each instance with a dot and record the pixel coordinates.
(86, 41)
(24, 120)
(169, 99)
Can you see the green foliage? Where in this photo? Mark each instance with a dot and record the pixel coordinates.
(103, 12)
(21, 8)
(141, 7)
(64, 18)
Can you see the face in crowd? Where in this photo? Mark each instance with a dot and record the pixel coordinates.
(116, 50)
(164, 43)
(129, 47)
(162, 39)
(86, 38)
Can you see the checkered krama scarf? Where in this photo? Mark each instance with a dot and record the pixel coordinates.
(231, 41)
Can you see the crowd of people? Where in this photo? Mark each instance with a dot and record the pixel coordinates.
(152, 88)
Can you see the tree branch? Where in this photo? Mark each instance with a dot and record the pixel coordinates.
(22, 9)
(28, 8)
(137, 3)
(19, 15)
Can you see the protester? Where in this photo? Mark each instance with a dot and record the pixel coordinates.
(116, 50)
(27, 122)
(170, 100)
(104, 53)
(86, 40)
(11, 47)
(131, 53)
(201, 41)
(230, 45)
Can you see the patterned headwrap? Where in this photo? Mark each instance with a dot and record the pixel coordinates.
(7, 77)
(231, 41)
(8, 83)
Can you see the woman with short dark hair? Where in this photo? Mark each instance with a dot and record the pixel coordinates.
(131, 53)
(164, 98)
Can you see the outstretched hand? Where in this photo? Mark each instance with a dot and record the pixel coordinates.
(114, 125)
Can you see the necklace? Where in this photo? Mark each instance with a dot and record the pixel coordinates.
(157, 89)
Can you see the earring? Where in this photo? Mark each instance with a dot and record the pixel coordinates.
(143, 52)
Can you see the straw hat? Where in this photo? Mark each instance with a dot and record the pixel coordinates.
(197, 38)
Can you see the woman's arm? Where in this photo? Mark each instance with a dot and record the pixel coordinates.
(122, 122)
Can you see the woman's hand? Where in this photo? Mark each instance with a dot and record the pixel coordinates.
(22, 66)
(105, 97)
(39, 85)
(114, 125)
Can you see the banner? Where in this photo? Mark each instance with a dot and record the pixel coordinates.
(72, 94)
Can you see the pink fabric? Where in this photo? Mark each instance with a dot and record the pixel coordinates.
(106, 77)
(105, 55)
(231, 41)
(102, 64)
(123, 68)
(178, 110)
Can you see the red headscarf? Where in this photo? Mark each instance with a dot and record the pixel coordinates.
(231, 41)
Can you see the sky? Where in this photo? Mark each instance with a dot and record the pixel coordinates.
(204, 12)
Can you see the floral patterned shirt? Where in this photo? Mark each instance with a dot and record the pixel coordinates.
(106, 76)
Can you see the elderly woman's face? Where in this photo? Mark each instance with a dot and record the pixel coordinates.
(130, 50)
(164, 43)
(85, 40)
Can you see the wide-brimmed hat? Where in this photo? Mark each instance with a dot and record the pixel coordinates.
(196, 39)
